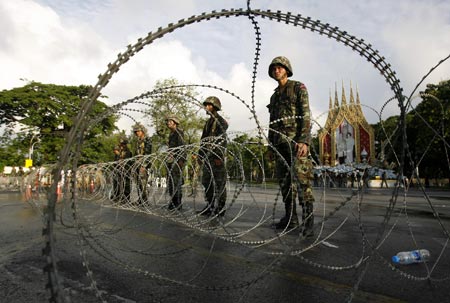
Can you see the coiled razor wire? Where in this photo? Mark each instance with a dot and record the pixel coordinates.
(89, 192)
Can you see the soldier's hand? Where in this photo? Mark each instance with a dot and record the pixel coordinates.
(302, 150)
(270, 155)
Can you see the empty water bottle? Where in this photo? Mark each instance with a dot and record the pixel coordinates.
(409, 257)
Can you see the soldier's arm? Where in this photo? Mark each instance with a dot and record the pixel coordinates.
(148, 146)
(304, 129)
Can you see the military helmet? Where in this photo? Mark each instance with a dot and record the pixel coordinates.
(116, 147)
(138, 127)
(174, 119)
(123, 141)
(283, 61)
(214, 101)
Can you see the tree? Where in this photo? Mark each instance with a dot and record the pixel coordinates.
(428, 132)
(171, 98)
(46, 111)
(387, 136)
(248, 154)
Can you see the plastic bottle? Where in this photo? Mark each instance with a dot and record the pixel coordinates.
(409, 257)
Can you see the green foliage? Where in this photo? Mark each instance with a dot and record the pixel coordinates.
(45, 112)
(427, 133)
(429, 130)
(248, 154)
(179, 101)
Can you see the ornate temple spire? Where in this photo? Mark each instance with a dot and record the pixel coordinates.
(330, 105)
(357, 96)
(346, 117)
(343, 100)
(352, 99)
(336, 100)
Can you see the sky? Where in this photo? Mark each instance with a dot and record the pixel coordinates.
(71, 42)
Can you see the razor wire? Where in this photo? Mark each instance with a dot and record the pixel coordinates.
(88, 189)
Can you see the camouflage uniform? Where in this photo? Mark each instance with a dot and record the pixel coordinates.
(125, 170)
(143, 147)
(212, 152)
(116, 178)
(175, 165)
(290, 123)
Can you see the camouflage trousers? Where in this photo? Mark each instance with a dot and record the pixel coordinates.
(294, 176)
(214, 179)
(175, 179)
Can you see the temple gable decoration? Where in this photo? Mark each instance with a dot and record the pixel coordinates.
(346, 138)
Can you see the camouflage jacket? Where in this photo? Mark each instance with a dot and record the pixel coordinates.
(143, 147)
(290, 116)
(213, 140)
(125, 153)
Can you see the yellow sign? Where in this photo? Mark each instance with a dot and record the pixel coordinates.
(28, 163)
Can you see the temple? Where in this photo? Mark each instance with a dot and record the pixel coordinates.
(346, 138)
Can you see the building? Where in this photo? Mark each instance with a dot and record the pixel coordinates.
(346, 138)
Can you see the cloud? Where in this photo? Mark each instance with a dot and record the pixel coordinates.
(71, 43)
(39, 47)
(419, 39)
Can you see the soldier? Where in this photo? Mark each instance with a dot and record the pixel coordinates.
(212, 153)
(143, 147)
(193, 175)
(175, 162)
(125, 171)
(116, 175)
(384, 179)
(290, 136)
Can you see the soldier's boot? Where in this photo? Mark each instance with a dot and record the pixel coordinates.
(307, 219)
(220, 211)
(288, 221)
(177, 202)
(207, 210)
(172, 203)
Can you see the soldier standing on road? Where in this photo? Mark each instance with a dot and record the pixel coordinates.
(116, 178)
(193, 175)
(143, 147)
(290, 136)
(384, 179)
(175, 162)
(125, 171)
(212, 153)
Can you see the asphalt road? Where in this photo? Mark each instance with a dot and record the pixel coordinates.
(162, 256)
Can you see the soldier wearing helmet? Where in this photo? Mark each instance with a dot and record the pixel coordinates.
(290, 136)
(212, 152)
(122, 181)
(176, 159)
(143, 148)
(214, 101)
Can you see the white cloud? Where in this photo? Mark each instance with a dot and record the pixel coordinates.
(419, 39)
(71, 43)
(40, 48)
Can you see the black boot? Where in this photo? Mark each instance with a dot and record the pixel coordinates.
(220, 211)
(171, 205)
(177, 202)
(307, 219)
(207, 210)
(288, 221)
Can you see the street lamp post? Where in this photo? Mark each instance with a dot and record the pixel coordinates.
(29, 161)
